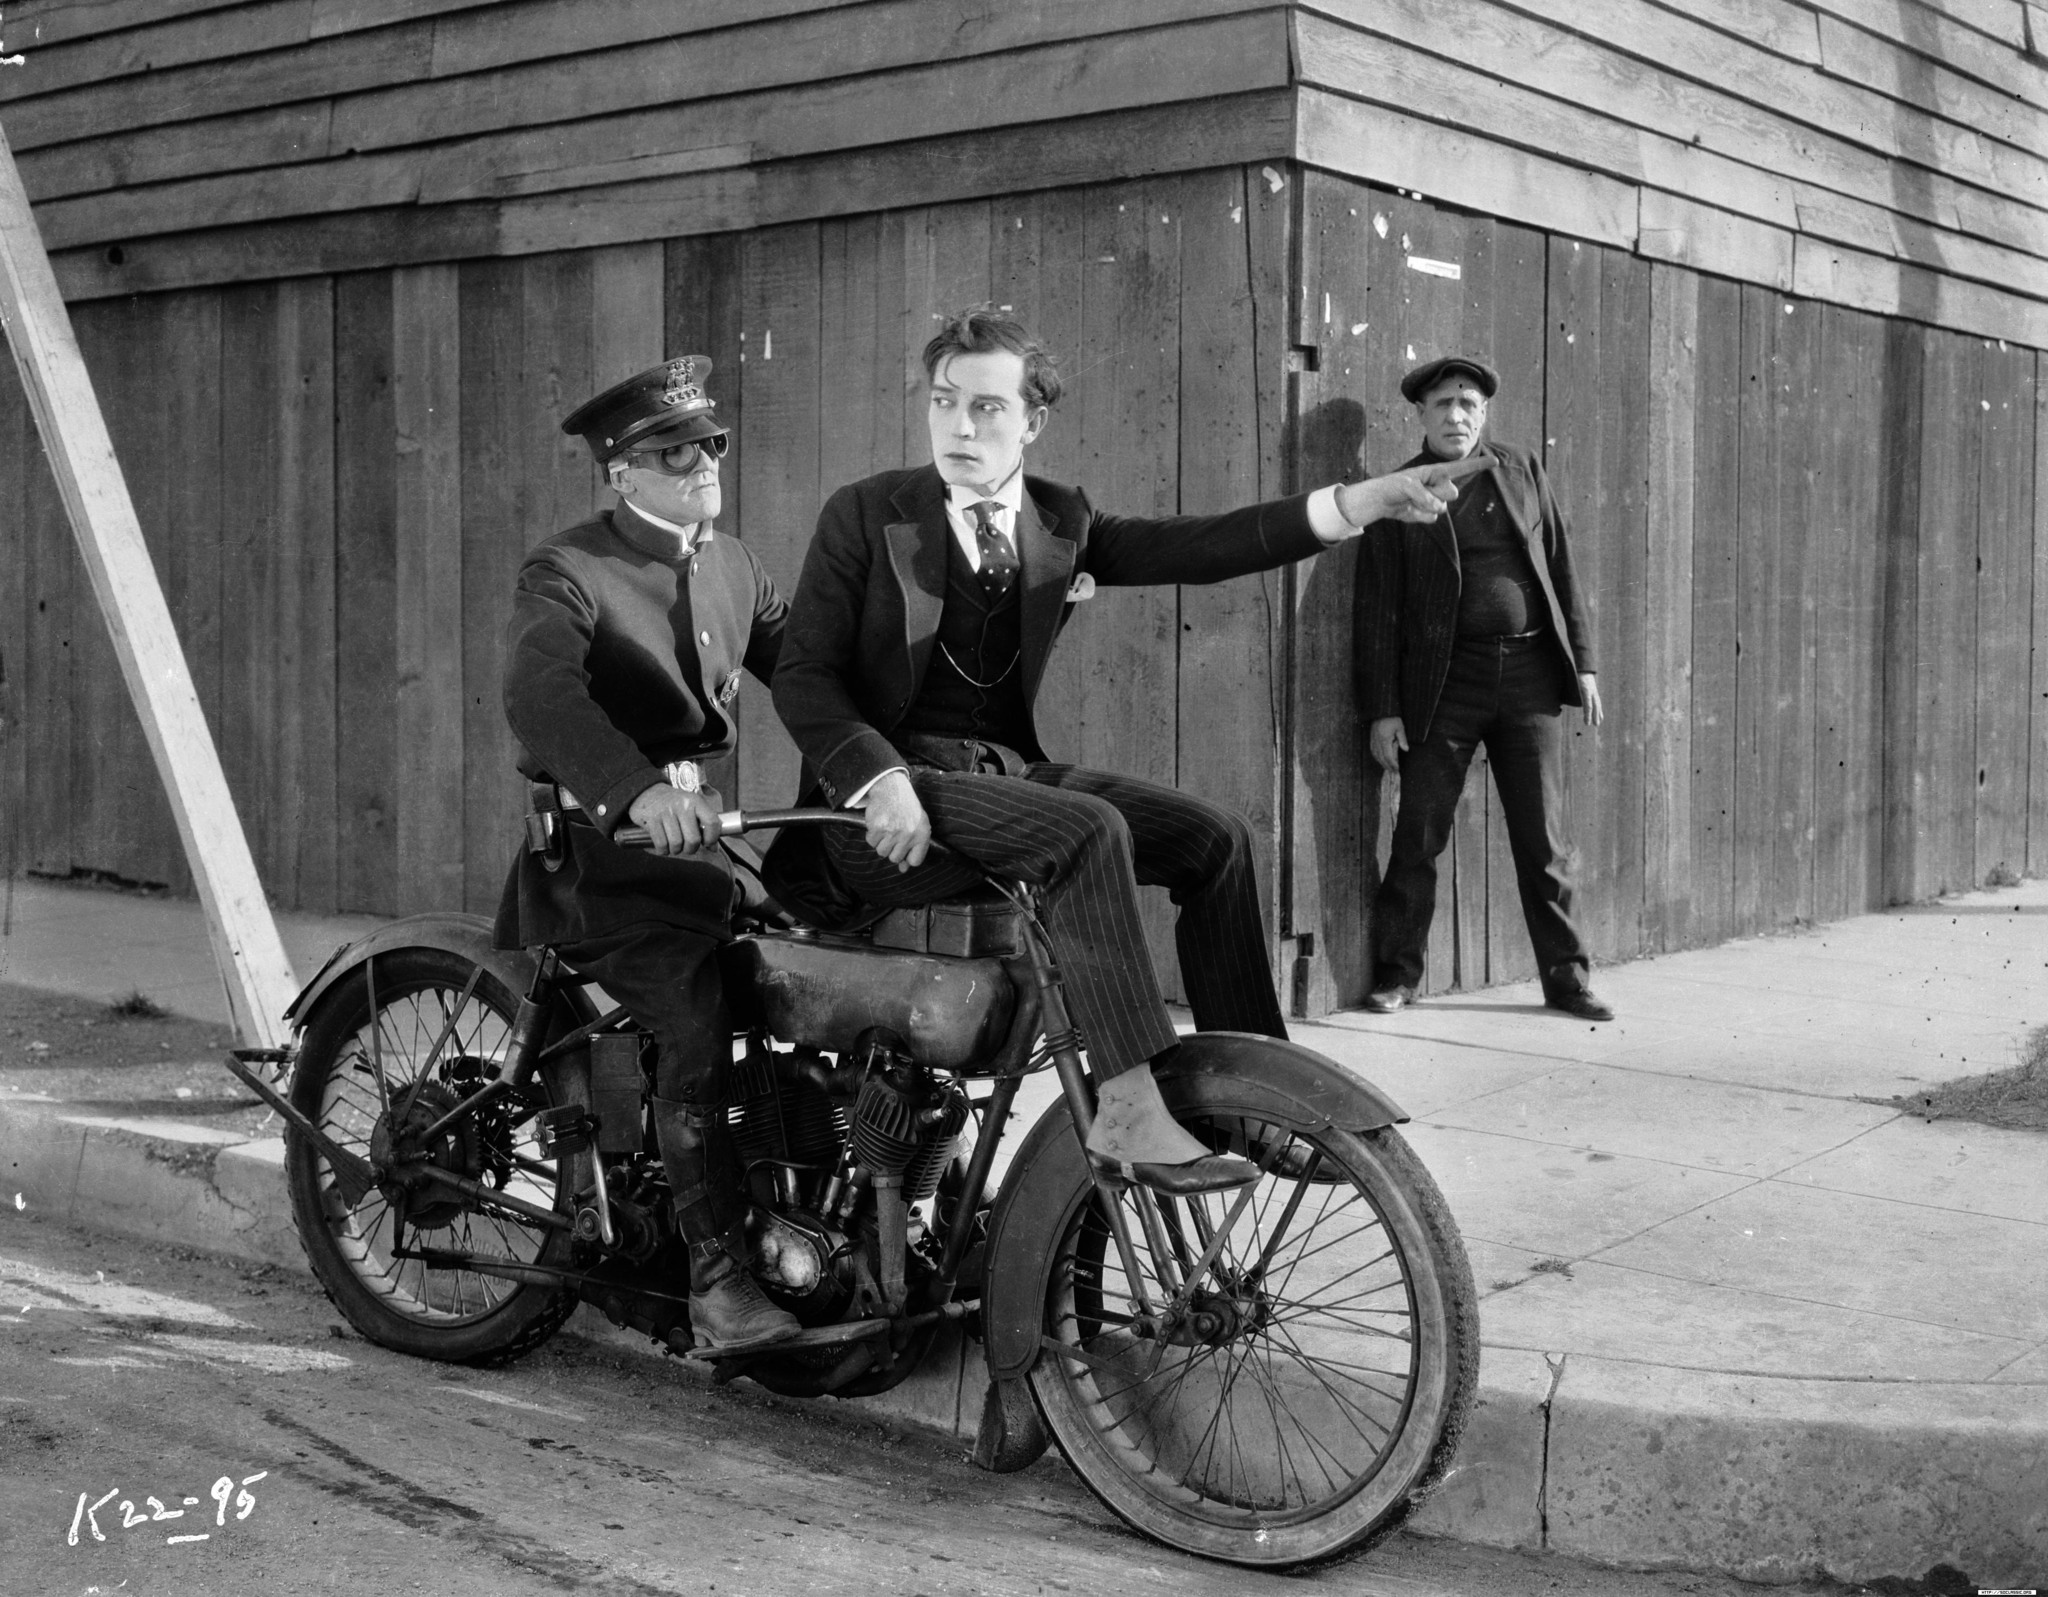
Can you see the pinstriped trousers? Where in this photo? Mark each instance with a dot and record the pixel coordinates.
(1090, 840)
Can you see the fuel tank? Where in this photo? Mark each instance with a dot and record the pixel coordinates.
(824, 991)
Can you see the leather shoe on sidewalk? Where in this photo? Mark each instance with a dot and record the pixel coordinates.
(1580, 1003)
(1387, 1000)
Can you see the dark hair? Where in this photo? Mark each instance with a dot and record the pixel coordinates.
(982, 329)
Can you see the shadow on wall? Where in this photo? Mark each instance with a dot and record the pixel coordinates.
(1334, 849)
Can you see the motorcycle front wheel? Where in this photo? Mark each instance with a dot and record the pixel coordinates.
(1317, 1371)
(433, 1036)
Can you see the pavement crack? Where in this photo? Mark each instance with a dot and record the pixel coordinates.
(1557, 1364)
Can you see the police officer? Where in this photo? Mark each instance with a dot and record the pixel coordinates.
(622, 662)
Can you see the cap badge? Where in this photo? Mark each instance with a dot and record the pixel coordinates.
(682, 388)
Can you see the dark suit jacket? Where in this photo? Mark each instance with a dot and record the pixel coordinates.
(1406, 609)
(866, 613)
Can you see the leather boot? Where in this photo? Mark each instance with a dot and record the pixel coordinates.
(728, 1309)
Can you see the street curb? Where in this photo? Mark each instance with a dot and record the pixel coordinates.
(1631, 1464)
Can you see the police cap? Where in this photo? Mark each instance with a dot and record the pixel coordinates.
(664, 405)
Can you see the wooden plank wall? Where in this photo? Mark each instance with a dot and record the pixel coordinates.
(1887, 155)
(1812, 540)
(343, 482)
(1814, 536)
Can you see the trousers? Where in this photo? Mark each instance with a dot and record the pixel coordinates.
(1089, 840)
(668, 979)
(1501, 692)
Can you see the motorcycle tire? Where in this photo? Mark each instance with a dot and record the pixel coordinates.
(455, 1315)
(1329, 1382)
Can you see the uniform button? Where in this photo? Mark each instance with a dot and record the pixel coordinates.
(600, 809)
(704, 638)
(695, 566)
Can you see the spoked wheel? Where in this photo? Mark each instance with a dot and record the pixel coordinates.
(376, 1084)
(1309, 1359)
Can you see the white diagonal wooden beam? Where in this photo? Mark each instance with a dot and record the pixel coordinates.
(252, 962)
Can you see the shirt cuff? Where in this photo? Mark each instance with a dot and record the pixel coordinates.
(860, 796)
(1325, 520)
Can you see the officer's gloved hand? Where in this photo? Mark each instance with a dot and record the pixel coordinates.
(676, 822)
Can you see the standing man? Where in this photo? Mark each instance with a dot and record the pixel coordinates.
(928, 606)
(1470, 630)
(622, 661)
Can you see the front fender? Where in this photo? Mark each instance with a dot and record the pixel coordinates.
(1279, 1081)
(467, 935)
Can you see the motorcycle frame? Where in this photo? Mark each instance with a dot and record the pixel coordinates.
(553, 995)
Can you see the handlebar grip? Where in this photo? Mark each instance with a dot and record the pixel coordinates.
(732, 823)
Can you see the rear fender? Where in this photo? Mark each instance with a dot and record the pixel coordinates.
(466, 935)
(1281, 1081)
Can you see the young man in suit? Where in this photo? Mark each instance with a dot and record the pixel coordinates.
(928, 606)
(1471, 629)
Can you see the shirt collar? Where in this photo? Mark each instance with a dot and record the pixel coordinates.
(1010, 495)
(691, 539)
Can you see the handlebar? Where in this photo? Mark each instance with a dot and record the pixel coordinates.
(733, 823)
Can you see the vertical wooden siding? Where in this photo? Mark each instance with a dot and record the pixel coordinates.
(1812, 538)
(340, 476)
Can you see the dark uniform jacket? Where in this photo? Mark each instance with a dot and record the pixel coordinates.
(619, 661)
(866, 614)
(1406, 607)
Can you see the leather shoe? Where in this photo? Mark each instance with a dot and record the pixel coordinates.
(1387, 1000)
(1580, 1003)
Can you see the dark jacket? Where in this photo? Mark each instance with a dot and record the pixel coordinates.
(617, 662)
(867, 607)
(1406, 608)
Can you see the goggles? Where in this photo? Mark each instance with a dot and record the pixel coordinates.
(679, 460)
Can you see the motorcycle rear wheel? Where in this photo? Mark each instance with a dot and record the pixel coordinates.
(1331, 1379)
(455, 1315)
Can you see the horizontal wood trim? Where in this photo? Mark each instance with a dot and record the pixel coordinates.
(352, 62)
(1753, 243)
(1711, 240)
(1099, 76)
(489, 32)
(1382, 146)
(1786, 28)
(1894, 288)
(1174, 138)
(1966, 34)
(2006, 105)
(1838, 218)
(1736, 108)
(45, 23)
(428, 81)
(1384, 71)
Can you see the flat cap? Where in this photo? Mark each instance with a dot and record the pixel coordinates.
(1431, 372)
(664, 405)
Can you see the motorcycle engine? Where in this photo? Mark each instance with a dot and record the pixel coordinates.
(905, 1120)
(801, 1262)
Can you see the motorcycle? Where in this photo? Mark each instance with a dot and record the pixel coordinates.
(1267, 1375)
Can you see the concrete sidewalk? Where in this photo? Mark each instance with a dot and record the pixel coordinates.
(1738, 1316)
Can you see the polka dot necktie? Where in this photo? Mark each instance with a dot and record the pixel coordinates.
(998, 564)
